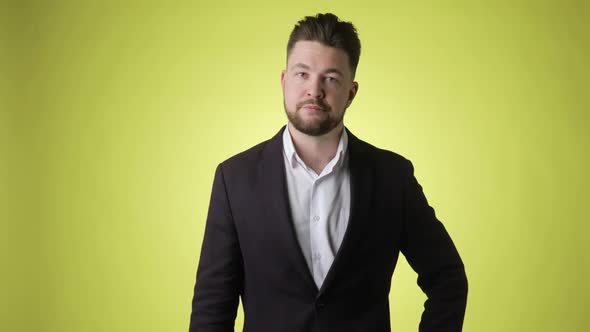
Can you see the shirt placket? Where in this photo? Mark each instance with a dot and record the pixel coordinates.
(314, 218)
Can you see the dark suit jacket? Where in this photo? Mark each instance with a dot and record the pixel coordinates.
(250, 250)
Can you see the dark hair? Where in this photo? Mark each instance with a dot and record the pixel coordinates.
(328, 30)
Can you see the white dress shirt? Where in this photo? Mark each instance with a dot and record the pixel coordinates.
(320, 205)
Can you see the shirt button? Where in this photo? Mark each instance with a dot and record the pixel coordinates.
(316, 218)
(317, 257)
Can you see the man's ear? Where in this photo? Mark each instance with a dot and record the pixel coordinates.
(283, 78)
(352, 93)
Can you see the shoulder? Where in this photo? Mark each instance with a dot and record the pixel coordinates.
(378, 158)
(247, 162)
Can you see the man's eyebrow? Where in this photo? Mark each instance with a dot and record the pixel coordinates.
(333, 71)
(327, 71)
(300, 65)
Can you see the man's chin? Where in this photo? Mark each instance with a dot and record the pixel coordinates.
(314, 128)
(312, 123)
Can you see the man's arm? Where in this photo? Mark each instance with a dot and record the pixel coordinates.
(430, 251)
(220, 272)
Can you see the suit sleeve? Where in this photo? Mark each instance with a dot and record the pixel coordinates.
(220, 272)
(430, 251)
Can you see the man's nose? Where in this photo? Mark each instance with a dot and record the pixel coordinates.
(315, 88)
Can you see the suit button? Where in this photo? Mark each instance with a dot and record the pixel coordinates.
(320, 305)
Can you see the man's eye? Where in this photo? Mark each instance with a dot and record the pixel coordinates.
(300, 74)
(331, 79)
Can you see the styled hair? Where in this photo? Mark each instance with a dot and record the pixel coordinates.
(328, 30)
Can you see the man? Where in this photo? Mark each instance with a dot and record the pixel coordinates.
(307, 226)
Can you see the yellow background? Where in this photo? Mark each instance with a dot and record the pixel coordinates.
(115, 114)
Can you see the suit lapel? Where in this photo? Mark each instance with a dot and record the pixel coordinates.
(273, 189)
(361, 183)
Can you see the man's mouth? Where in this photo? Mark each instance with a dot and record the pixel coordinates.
(313, 107)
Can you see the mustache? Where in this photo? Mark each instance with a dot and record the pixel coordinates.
(314, 102)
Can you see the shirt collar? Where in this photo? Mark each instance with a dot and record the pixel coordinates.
(294, 159)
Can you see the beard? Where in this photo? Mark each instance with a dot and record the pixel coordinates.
(317, 125)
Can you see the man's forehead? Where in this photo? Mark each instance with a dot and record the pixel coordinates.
(313, 55)
(311, 46)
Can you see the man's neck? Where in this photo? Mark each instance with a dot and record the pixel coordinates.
(316, 151)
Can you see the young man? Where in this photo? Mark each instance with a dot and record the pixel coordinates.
(307, 226)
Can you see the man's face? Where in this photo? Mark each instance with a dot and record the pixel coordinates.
(317, 87)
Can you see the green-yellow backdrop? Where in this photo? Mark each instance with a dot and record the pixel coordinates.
(114, 115)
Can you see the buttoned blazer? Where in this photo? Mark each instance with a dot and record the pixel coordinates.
(250, 250)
